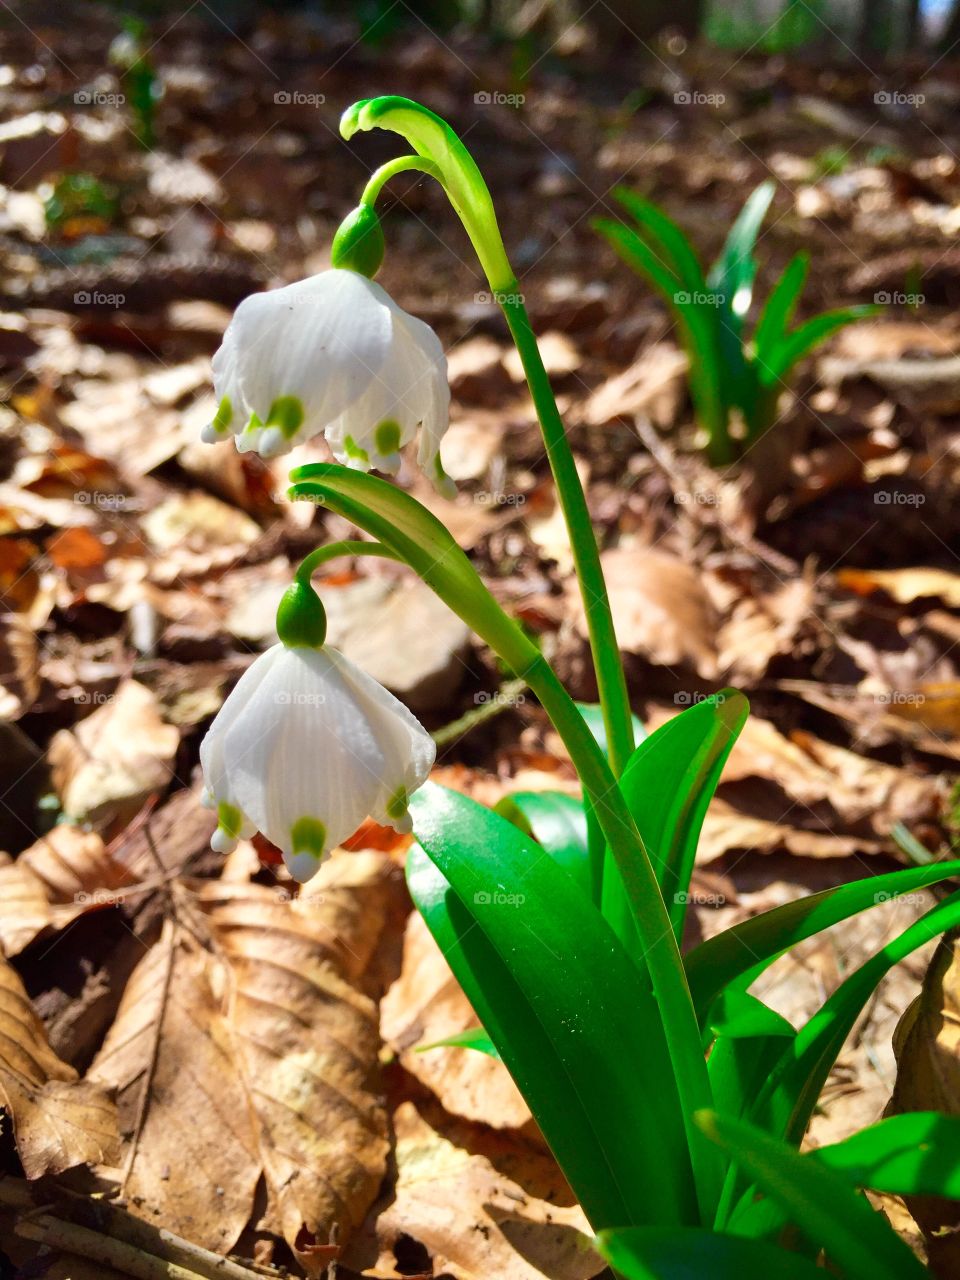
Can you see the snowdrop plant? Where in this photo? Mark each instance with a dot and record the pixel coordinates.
(675, 1100)
(735, 383)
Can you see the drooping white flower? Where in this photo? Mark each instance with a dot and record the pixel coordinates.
(333, 353)
(305, 747)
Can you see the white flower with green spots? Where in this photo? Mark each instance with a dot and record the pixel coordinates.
(305, 747)
(333, 353)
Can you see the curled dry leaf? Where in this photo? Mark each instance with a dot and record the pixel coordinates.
(64, 874)
(191, 1162)
(105, 767)
(927, 1045)
(426, 1004)
(58, 1120)
(457, 1213)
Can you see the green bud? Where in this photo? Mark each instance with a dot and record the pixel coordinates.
(301, 618)
(359, 244)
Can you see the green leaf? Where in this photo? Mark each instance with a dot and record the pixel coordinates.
(669, 781)
(556, 821)
(782, 357)
(787, 1101)
(748, 948)
(749, 1041)
(821, 1203)
(699, 330)
(733, 272)
(662, 1253)
(592, 713)
(423, 542)
(908, 1155)
(473, 1038)
(780, 306)
(674, 246)
(576, 1025)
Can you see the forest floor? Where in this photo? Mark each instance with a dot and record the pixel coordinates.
(140, 571)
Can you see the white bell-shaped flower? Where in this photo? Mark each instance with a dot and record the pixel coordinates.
(305, 747)
(333, 353)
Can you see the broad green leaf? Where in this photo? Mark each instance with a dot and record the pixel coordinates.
(558, 823)
(690, 1253)
(571, 1016)
(778, 310)
(738, 1015)
(790, 1095)
(781, 358)
(915, 1154)
(822, 1204)
(749, 947)
(473, 1038)
(668, 783)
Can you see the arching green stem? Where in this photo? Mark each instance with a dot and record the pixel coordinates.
(346, 547)
(450, 162)
(403, 164)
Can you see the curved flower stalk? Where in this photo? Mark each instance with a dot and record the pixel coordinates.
(308, 745)
(441, 154)
(334, 354)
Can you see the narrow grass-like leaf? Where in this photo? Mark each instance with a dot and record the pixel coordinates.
(781, 358)
(608, 1069)
(659, 1253)
(669, 781)
(915, 1154)
(822, 1204)
(749, 947)
(473, 1038)
(733, 272)
(790, 1095)
(698, 330)
(780, 306)
(675, 249)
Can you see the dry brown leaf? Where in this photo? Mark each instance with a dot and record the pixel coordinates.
(904, 585)
(660, 607)
(19, 666)
(927, 1045)
(653, 385)
(758, 628)
(306, 1039)
(57, 879)
(812, 772)
(726, 830)
(454, 1210)
(117, 756)
(425, 1004)
(58, 1120)
(191, 1162)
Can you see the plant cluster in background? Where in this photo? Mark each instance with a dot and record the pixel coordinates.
(735, 381)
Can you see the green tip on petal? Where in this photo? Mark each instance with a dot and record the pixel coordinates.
(223, 417)
(286, 413)
(359, 244)
(387, 437)
(398, 803)
(354, 452)
(301, 618)
(229, 819)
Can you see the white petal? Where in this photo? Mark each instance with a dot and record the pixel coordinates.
(319, 341)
